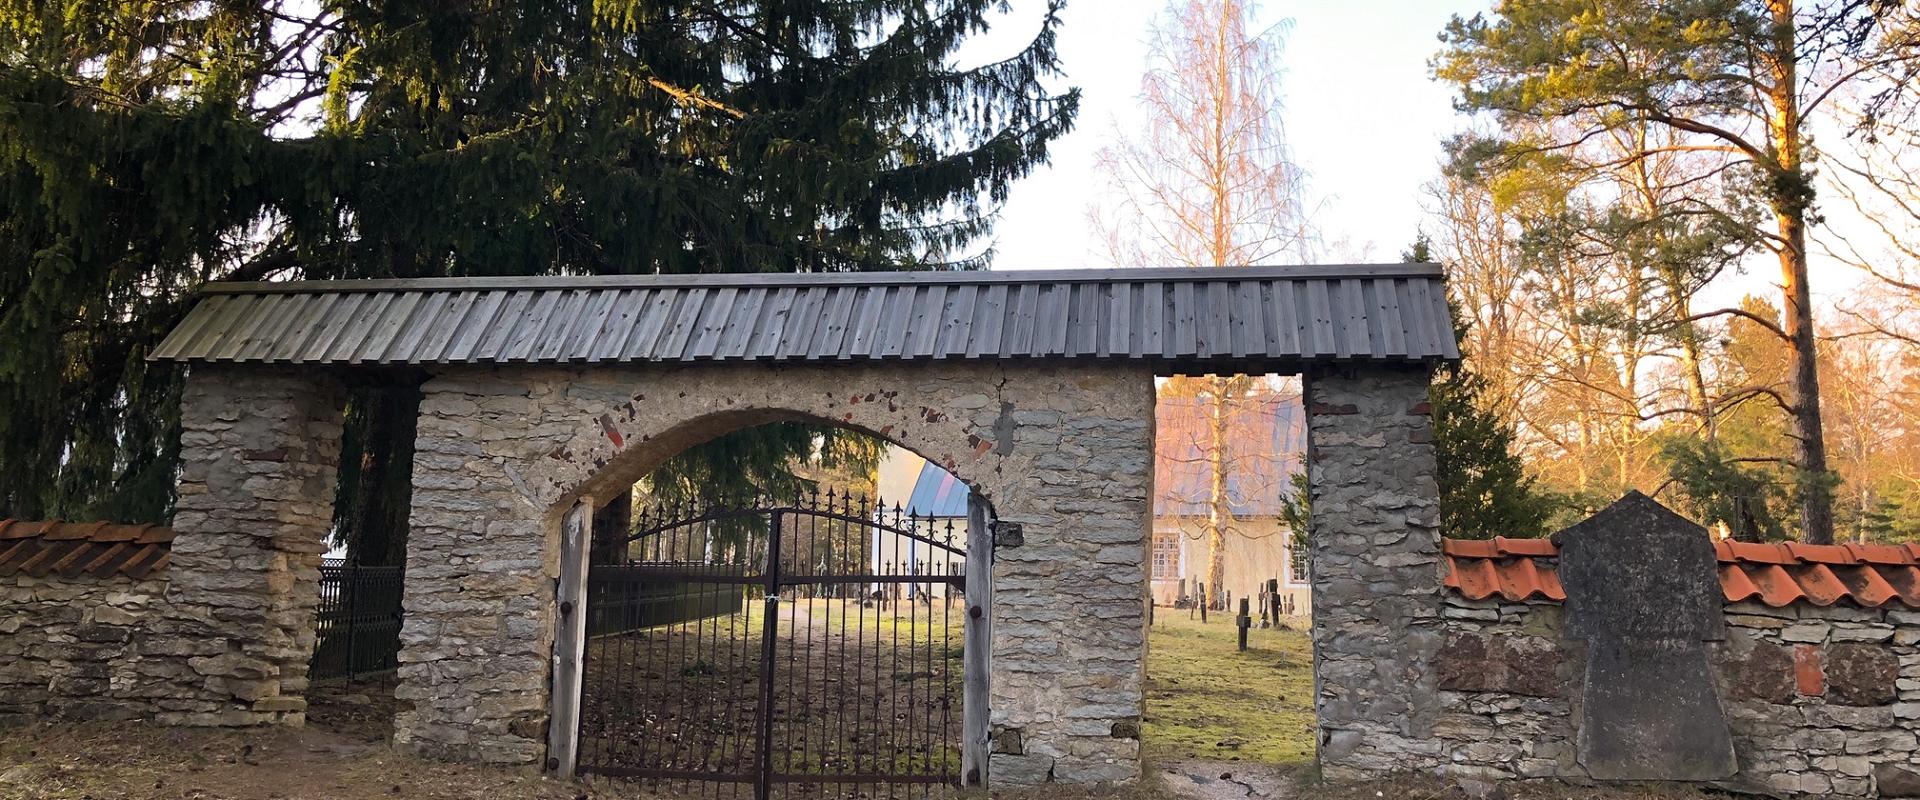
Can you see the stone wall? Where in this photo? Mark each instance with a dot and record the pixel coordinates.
(1377, 571)
(222, 635)
(1062, 453)
(1822, 701)
(259, 454)
(74, 647)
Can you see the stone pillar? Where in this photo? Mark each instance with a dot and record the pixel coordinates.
(482, 555)
(259, 454)
(1376, 570)
(1070, 583)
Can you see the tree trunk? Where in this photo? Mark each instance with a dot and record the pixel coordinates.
(1219, 511)
(375, 496)
(1790, 196)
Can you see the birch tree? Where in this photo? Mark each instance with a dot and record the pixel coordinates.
(1206, 180)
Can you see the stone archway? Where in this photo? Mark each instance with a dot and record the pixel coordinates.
(1062, 451)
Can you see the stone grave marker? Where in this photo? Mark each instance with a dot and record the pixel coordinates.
(1642, 591)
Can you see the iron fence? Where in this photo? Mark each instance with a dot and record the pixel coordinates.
(358, 623)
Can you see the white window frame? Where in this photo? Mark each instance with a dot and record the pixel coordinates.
(1303, 559)
(1179, 555)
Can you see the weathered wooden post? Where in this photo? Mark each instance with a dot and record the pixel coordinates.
(1273, 598)
(975, 729)
(1202, 603)
(1245, 621)
(569, 642)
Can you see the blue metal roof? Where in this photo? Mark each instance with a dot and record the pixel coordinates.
(936, 493)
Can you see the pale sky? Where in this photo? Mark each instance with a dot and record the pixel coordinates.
(1364, 117)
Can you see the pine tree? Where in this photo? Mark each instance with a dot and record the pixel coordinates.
(144, 151)
(1736, 82)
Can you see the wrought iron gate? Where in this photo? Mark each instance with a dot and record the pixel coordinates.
(809, 649)
(357, 625)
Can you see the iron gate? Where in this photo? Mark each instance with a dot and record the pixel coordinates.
(357, 625)
(809, 649)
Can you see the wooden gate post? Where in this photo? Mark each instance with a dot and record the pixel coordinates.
(977, 651)
(569, 641)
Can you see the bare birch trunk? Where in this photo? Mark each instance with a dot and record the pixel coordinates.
(1219, 511)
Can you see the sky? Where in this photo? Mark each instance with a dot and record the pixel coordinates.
(1364, 118)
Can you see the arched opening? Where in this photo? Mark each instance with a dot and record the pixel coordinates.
(1229, 670)
(772, 603)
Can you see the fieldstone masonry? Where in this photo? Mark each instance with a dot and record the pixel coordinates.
(1062, 452)
(1376, 571)
(260, 454)
(76, 647)
(1821, 701)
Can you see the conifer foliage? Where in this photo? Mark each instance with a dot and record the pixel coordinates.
(1485, 490)
(148, 148)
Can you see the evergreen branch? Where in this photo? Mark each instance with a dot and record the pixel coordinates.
(694, 98)
(1696, 126)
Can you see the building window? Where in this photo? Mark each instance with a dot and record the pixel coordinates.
(1166, 556)
(1296, 564)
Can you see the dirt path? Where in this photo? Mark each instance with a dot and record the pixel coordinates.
(142, 762)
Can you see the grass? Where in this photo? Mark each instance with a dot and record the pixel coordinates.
(1208, 700)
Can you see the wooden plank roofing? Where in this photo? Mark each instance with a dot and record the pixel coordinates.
(1281, 317)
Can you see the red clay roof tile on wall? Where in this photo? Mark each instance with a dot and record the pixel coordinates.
(72, 549)
(1777, 574)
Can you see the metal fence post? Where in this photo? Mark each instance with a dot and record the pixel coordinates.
(350, 577)
(764, 786)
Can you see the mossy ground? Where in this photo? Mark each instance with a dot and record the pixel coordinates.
(1206, 699)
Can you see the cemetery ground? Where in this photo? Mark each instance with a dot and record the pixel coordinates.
(1220, 723)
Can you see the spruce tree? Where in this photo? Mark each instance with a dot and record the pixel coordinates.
(1485, 490)
(144, 152)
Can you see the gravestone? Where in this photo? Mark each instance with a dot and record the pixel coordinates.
(1642, 591)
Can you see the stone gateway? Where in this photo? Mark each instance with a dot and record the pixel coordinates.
(1036, 389)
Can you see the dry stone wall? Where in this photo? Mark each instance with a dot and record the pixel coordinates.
(73, 647)
(1063, 454)
(222, 635)
(1376, 569)
(1822, 701)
